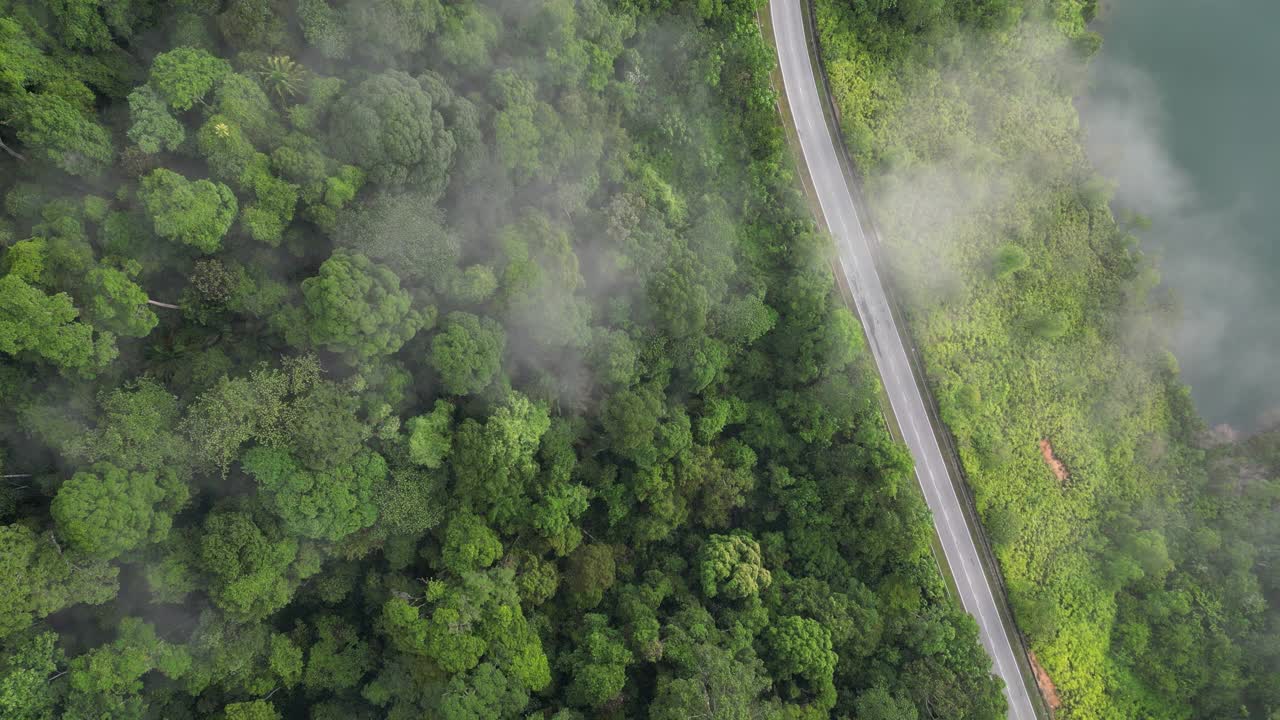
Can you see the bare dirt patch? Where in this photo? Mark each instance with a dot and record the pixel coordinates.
(1047, 688)
(1059, 470)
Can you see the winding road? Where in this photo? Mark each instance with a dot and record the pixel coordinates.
(817, 142)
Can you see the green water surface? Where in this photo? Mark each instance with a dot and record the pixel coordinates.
(1200, 81)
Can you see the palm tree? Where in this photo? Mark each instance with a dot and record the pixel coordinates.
(282, 76)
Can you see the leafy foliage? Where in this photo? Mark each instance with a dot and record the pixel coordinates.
(196, 213)
(356, 306)
(1033, 310)
(637, 470)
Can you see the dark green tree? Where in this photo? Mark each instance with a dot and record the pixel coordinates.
(597, 667)
(395, 131)
(321, 505)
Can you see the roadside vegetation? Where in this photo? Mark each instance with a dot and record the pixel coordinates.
(408, 359)
(1139, 556)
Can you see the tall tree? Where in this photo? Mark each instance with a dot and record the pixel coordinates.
(196, 213)
(357, 306)
(110, 510)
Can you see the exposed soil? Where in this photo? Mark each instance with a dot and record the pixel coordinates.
(1047, 688)
(1059, 470)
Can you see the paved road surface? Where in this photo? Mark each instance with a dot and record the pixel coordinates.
(858, 265)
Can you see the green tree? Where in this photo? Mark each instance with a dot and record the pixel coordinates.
(431, 436)
(1046, 325)
(241, 658)
(395, 131)
(483, 692)
(1008, 260)
(597, 666)
(746, 319)
(153, 128)
(357, 306)
(384, 32)
(731, 566)
(476, 284)
(494, 463)
(467, 352)
(715, 682)
(469, 544)
(411, 503)
(252, 25)
(110, 511)
(327, 505)
(592, 571)
(45, 326)
(324, 28)
(63, 133)
(241, 101)
(184, 76)
(249, 565)
(197, 213)
(468, 33)
(406, 232)
(321, 424)
(232, 412)
(338, 658)
(115, 302)
(878, 704)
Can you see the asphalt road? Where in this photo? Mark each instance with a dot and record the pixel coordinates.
(886, 342)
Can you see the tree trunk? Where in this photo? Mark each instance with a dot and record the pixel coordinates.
(11, 151)
(157, 303)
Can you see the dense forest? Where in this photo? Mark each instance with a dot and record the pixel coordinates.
(1140, 555)
(437, 359)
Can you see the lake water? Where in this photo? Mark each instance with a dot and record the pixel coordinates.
(1185, 113)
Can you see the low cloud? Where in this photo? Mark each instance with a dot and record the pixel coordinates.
(1224, 338)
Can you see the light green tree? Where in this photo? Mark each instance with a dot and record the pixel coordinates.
(107, 681)
(36, 579)
(598, 663)
(46, 326)
(469, 544)
(184, 76)
(731, 566)
(110, 510)
(25, 690)
(249, 565)
(431, 435)
(63, 133)
(494, 463)
(153, 127)
(252, 710)
(116, 303)
(197, 213)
